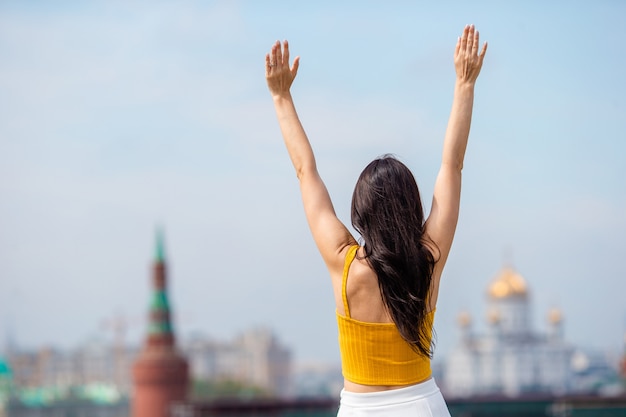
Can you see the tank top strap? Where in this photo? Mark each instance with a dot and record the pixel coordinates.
(344, 281)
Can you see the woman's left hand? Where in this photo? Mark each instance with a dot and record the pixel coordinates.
(278, 73)
(467, 60)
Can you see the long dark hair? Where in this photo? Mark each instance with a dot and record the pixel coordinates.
(387, 212)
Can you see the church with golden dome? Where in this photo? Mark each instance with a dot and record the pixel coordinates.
(509, 358)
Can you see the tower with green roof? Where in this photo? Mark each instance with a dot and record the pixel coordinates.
(160, 373)
(160, 324)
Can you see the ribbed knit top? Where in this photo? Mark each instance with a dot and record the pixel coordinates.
(376, 353)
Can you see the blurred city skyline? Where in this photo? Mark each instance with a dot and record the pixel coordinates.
(117, 118)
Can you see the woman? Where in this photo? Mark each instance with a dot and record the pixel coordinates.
(385, 289)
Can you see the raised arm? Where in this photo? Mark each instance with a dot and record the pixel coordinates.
(330, 235)
(441, 223)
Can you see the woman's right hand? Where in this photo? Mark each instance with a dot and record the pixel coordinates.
(467, 60)
(278, 74)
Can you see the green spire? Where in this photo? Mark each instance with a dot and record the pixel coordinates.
(159, 306)
(160, 247)
(160, 323)
(159, 301)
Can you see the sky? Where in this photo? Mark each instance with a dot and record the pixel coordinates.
(117, 118)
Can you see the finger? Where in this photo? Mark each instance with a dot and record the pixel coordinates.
(483, 52)
(475, 44)
(295, 66)
(273, 55)
(470, 39)
(464, 38)
(267, 64)
(457, 48)
(279, 54)
(286, 52)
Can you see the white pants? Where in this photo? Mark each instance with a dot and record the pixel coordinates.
(420, 400)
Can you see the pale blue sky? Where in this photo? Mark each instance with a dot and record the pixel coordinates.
(119, 116)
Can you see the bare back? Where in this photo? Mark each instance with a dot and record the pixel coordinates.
(363, 292)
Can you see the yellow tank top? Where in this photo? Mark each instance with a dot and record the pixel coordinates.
(376, 353)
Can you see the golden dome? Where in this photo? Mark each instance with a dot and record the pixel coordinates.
(464, 319)
(508, 284)
(555, 316)
(493, 316)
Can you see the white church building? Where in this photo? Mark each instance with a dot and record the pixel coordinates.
(511, 358)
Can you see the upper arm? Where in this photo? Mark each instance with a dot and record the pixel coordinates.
(444, 213)
(330, 234)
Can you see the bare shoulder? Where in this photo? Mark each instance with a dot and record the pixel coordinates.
(339, 258)
(364, 298)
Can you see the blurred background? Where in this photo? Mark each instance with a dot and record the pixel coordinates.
(118, 118)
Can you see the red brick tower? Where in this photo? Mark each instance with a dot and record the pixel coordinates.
(160, 373)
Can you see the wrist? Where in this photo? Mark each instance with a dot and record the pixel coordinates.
(281, 97)
(464, 84)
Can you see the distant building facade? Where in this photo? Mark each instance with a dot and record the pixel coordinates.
(94, 363)
(6, 385)
(256, 357)
(511, 359)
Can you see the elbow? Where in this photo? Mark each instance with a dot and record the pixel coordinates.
(299, 174)
(305, 170)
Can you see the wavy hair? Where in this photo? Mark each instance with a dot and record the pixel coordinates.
(387, 212)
